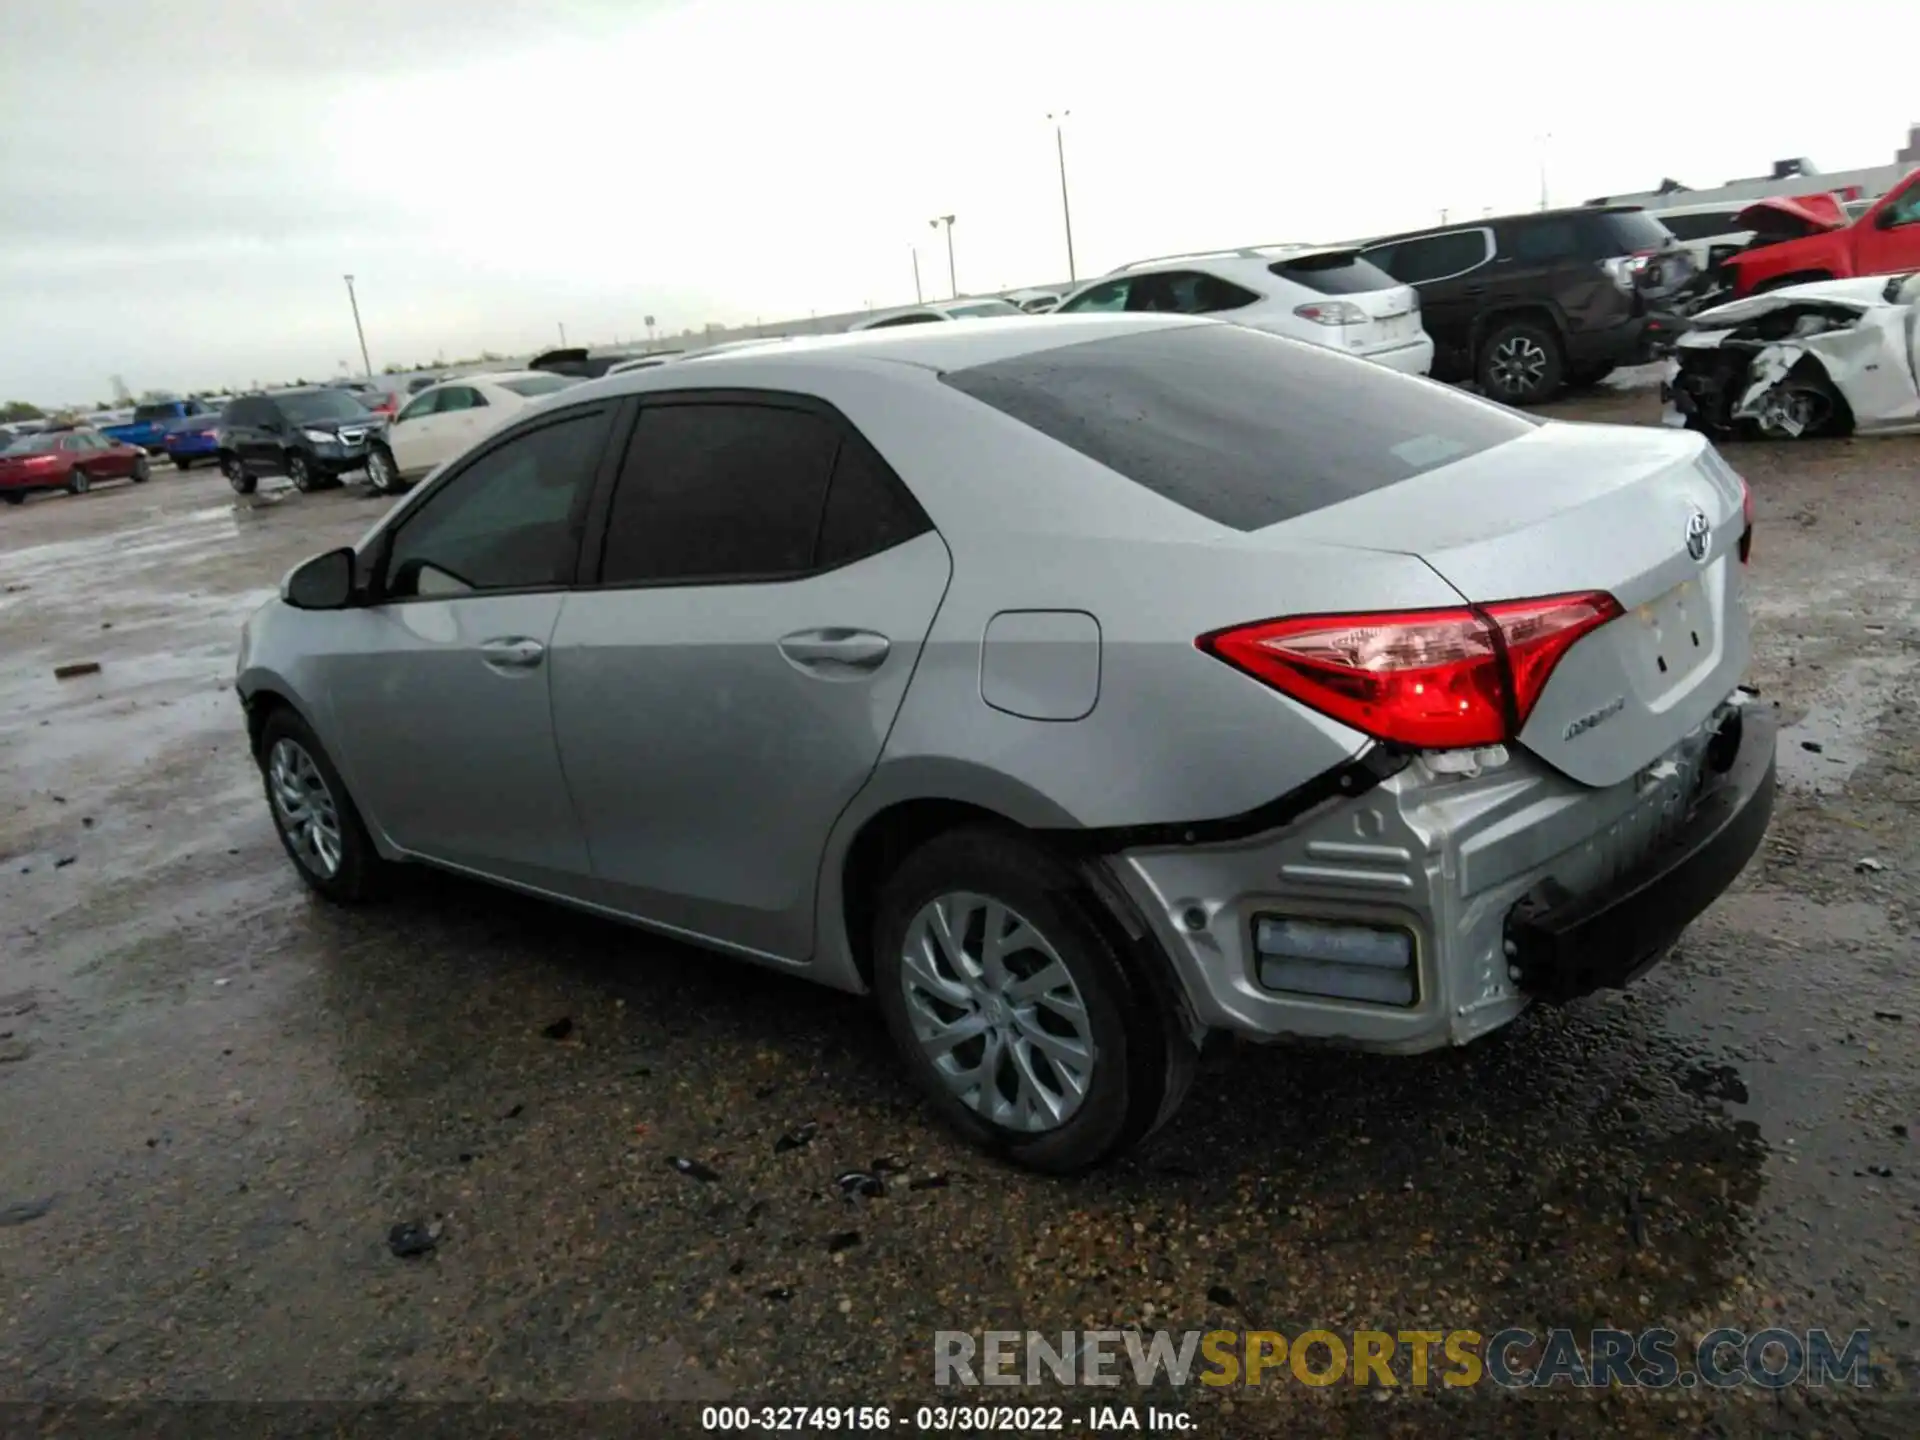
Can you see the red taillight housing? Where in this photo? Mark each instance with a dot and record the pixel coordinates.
(1746, 521)
(1431, 679)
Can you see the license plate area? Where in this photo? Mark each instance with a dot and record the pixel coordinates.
(1676, 634)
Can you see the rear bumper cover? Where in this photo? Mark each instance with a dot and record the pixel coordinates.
(1608, 937)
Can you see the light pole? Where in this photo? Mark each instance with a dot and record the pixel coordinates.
(1545, 141)
(1066, 212)
(953, 285)
(918, 298)
(563, 333)
(354, 301)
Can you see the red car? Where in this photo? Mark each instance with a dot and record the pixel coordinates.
(1883, 241)
(69, 460)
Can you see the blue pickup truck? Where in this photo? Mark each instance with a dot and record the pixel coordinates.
(150, 423)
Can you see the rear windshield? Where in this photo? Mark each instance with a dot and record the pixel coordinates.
(539, 384)
(1344, 273)
(1243, 428)
(1624, 232)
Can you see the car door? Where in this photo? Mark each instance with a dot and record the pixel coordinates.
(260, 441)
(109, 459)
(410, 437)
(1890, 240)
(722, 690)
(439, 690)
(465, 415)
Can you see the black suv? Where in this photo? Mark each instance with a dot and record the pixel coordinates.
(313, 436)
(1524, 304)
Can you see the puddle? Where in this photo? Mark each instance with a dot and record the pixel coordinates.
(1821, 751)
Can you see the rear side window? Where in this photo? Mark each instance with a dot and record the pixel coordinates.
(1243, 428)
(1338, 274)
(1539, 242)
(1433, 257)
(868, 509)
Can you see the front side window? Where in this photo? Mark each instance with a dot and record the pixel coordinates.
(1542, 242)
(419, 409)
(460, 397)
(1905, 209)
(1109, 296)
(1187, 292)
(719, 491)
(507, 521)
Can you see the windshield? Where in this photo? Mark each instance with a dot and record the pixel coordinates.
(983, 307)
(163, 411)
(539, 384)
(321, 405)
(41, 444)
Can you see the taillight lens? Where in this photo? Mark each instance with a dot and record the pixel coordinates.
(1746, 521)
(1332, 312)
(1431, 679)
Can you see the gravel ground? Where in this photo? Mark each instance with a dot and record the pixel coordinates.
(219, 1095)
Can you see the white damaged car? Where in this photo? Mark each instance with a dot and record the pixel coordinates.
(1833, 357)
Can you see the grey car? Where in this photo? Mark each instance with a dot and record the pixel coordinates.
(1079, 687)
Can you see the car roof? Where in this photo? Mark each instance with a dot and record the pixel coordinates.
(935, 348)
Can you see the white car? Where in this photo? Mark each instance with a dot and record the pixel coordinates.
(993, 308)
(442, 421)
(1325, 295)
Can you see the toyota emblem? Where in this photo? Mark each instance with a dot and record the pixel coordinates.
(1699, 532)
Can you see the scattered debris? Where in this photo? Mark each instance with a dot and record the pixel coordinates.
(1894, 1015)
(1867, 865)
(20, 1212)
(515, 1113)
(796, 1138)
(64, 861)
(1900, 1132)
(693, 1169)
(1221, 1295)
(559, 1029)
(860, 1182)
(1715, 1082)
(779, 1292)
(12, 1052)
(76, 669)
(86, 822)
(842, 1240)
(928, 1182)
(1813, 747)
(411, 1238)
(886, 1165)
(736, 1267)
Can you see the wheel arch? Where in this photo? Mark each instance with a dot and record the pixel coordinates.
(1492, 318)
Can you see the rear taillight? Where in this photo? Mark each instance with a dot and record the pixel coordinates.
(1626, 270)
(1431, 679)
(1332, 312)
(1746, 521)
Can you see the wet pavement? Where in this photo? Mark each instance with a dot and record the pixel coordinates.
(219, 1097)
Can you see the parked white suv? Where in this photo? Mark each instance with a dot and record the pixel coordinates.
(1326, 295)
(990, 307)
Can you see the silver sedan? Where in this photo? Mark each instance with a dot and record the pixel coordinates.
(1078, 687)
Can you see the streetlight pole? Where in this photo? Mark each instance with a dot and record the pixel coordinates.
(354, 301)
(1545, 141)
(1066, 211)
(953, 285)
(563, 333)
(918, 298)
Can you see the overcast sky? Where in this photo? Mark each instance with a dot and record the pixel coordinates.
(186, 182)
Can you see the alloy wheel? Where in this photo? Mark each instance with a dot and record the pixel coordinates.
(300, 473)
(380, 470)
(1519, 364)
(304, 807)
(997, 1013)
(78, 481)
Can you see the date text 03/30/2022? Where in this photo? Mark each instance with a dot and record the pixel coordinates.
(945, 1419)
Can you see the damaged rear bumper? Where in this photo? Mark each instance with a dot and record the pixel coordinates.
(1610, 936)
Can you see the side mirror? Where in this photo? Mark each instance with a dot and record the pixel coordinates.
(322, 583)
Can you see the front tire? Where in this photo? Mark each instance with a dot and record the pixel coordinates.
(235, 469)
(383, 474)
(300, 472)
(1520, 363)
(318, 825)
(180, 462)
(1021, 1020)
(142, 471)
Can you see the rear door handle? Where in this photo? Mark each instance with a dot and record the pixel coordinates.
(513, 653)
(835, 651)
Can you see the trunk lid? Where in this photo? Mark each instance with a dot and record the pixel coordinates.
(1392, 310)
(1571, 508)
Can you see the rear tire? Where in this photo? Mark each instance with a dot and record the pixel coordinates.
(1066, 1059)
(180, 462)
(235, 469)
(314, 816)
(383, 474)
(78, 481)
(1520, 363)
(13, 497)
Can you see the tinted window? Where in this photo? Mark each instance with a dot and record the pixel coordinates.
(713, 492)
(157, 412)
(506, 521)
(1345, 273)
(534, 385)
(1244, 428)
(1538, 242)
(246, 412)
(1431, 257)
(1700, 227)
(426, 405)
(1187, 292)
(1110, 296)
(460, 397)
(308, 405)
(1622, 232)
(868, 509)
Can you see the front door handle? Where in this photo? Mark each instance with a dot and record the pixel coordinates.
(835, 651)
(513, 653)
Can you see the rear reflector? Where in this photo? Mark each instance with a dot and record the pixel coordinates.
(1431, 679)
